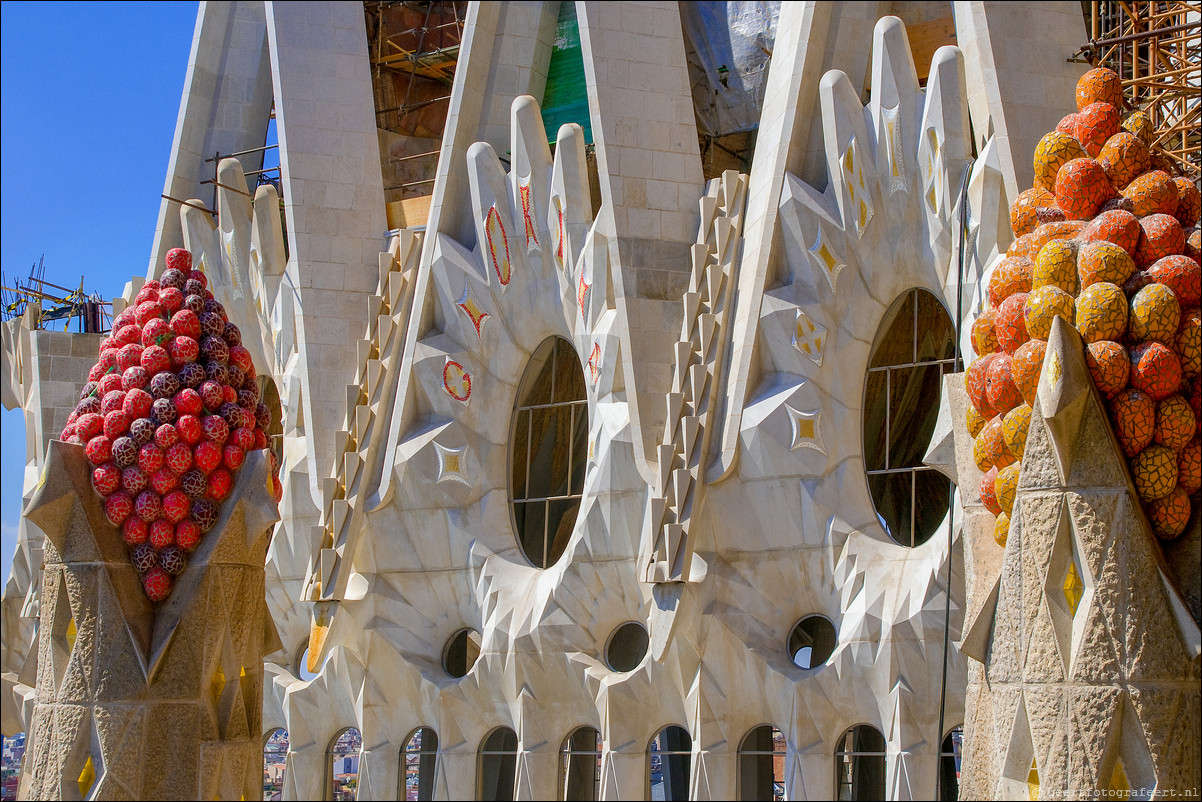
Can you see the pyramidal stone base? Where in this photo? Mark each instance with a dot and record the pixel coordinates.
(1090, 655)
(136, 702)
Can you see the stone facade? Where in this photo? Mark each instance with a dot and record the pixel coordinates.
(723, 332)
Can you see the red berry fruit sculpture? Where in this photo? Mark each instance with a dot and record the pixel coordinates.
(1108, 239)
(166, 418)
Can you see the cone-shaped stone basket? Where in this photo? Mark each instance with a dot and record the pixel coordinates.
(136, 702)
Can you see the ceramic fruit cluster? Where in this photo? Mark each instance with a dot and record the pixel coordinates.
(170, 410)
(1108, 240)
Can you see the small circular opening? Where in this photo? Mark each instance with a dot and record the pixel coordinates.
(461, 652)
(812, 641)
(627, 646)
(301, 668)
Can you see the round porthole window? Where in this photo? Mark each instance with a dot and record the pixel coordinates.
(812, 641)
(461, 652)
(548, 451)
(915, 346)
(627, 646)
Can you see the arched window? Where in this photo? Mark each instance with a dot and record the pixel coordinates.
(949, 765)
(860, 764)
(669, 756)
(548, 451)
(915, 347)
(417, 765)
(762, 764)
(13, 748)
(275, 754)
(343, 765)
(580, 766)
(496, 765)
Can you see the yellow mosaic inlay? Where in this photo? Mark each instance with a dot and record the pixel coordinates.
(87, 778)
(805, 428)
(1055, 371)
(217, 685)
(451, 463)
(1033, 781)
(1118, 779)
(1073, 588)
(72, 634)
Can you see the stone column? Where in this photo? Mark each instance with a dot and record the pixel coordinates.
(136, 702)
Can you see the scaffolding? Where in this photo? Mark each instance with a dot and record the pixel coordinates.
(92, 314)
(1155, 47)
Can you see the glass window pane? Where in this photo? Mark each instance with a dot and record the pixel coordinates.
(876, 405)
(895, 338)
(936, 332)
(561, 518)
(538, 391)
(891, 492)
(579, 449)
(913, 410)
(569, 378)
(551, 431)
(931, 498)
(520, 450)
(531, 518)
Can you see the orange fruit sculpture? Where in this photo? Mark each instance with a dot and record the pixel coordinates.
(1053, 152)
(1124, 157)
(1103, 261)
(1026, 365)
(1134, 416)
(1099, 85)
(1109, 366)
(1155, 315)
(1081, 188)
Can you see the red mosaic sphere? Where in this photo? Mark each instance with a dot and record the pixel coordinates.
(1011, 324)
(1152, 193)
(176, 505)
(1099, 85)
(116, 422)
(1003, 395)
(118, 507)
(135, 531)
(1189, 202)
(1054, 151)
(1189, 466)
(189, 428)
(1103, 261)
(1170, 515)
(187, 534)
(1023, 219)
(219, 484)
(148, 505)
(181, 260)
(1081, 188)
(1043, 305)
(1134, 416)
(1124, 157)
(1188, 344)
(1101, 312)
(1180, 274)
(134, 480)
(106, 479)
(1096, 124)
(162, 533)
(1154, 471)
(986, 491)
(976, 386)
(1012, 274)
(1155, 315)
(1193, 246)
(1026, 366)
(207, 456)
(164, 481)
(204, 512)
(1056, 266)
(1175, 422)
(1109, 365)
(165, 436)
(1155, 370)
(156, 583)
(99, 449)
(1015, 425)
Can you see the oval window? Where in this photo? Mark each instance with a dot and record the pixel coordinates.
(915, 346)
(548, 451)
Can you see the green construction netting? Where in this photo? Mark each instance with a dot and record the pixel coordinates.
(565, 99)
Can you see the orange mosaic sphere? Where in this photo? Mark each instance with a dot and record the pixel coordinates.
(1099, 85)
(1193, 246)
(1175, 423)
(1195, 398)
(1023, 219)
(1024, 246)
(984, 338)
(1053, 152)
(999, 385)
(1103, 261)
(1155, 315)
(1155, 370)
(1011, 324)
(1056, 266)
(1134, 416)
(1043, 306)
(976, 386)
(1013, 274)
(1189, 202)
(1124, 157)
(1081, 188)
(1109, 365)
(987, 492)
(973, 421)
(1068, 124)
(1026, 365)
(1188, 344)
(1101, 312)
(1170, 515)
(990, 449)
(1140, 124)
(1006, 486)
(1162, 236)
(1154, 471)
(1117, 226)
(1015, 424)
(1001, 529)
(1189, 466)
(1152, 193)
(1180, 274)
(1096, 124)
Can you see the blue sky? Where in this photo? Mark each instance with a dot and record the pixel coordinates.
(89, 94)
